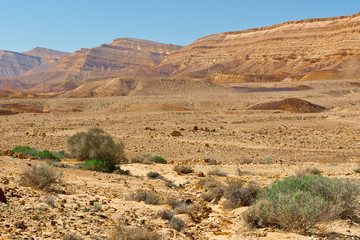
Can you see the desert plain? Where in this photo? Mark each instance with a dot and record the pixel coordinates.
(214, 121)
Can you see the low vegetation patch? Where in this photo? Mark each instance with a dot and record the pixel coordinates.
(99, 166)
(177, 223)
(298, 203)
(145, 196)
(148, 159)
(33, 152)
(217, 172)
(313, 170)
(121, 232)
(183, 169)
(166, 214)
(237, 193)
(39, 177)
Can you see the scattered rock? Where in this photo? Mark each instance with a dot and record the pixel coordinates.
(175, 134)
(201, 174)
(20, 225)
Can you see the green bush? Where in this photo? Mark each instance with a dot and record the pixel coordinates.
(159, 159)
(26, 150)
(46, 154)
(298, 203)
(99, 166)
(95, 144)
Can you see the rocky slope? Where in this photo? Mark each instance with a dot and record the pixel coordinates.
(14, 64)
(310, 49)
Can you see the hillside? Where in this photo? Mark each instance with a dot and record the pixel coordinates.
(300, 50)
(14, 64)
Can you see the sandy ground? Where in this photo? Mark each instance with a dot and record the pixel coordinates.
(275, 144)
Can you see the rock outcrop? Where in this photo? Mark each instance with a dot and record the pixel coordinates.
(14, 64)
(313, 49)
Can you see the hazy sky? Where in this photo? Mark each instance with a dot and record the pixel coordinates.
(69, 25)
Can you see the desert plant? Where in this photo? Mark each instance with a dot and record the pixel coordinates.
(217, 172)
(71, 236)
(183, 169)
(26, 150)
(241, 173)
(121, 232)
(146, 196)
(237, 194)
(166, 214)
(95, 144)
(39, 177)
(298, 203)
(159, 159)
(211, 161)
(313, 170)
(142, 158)
(246, 161)
(99, 166)
(154, 175)
(177, 223)
(214, 194)
(46, 154)
(50, 200)
(357, 170)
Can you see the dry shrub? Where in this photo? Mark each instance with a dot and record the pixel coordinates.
(40, 177)
(154, 175)
(146, 196)
(166, 214)
(246, 161)
(121, 232)
(95, 144)
(237, 194)
(217, 172)
(298, 203)
(214, 189)
(183, 169)
(72, 236)
(357, 170)
(313, 170)
(177, 223)
(142, 158)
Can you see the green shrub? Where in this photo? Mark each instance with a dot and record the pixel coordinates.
(121, 232)
(26, 150)
(298, 203)
(95, 144)
(159, 159)
(183, 169)
(99, 166)
(39, 177)
(237, 194)
(46, 154)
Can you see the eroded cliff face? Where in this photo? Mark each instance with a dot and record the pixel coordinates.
(311, 49)
(120, 57)
(14, 64)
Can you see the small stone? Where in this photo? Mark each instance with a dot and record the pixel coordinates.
(175, 134)
(201, 174)
(20, 225)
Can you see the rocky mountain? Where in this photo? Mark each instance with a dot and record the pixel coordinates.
(122, 57)
(14, 64)
(312, 49)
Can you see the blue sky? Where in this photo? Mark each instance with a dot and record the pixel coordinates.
(69, 25)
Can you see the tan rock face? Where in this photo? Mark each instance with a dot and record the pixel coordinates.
(287, 51)
(122, 56)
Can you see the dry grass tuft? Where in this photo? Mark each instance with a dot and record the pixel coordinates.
(121, 232)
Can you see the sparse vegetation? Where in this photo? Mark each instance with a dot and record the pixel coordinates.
(211, 161)
(99, 166)
(121, 232)
(50, 200)
(146, 196)
(166, 214)
(148, 159)
(217, 172)
(96, 144)
(298, 203)
(357, 170)
(237, 194)
(177, 223)
(159, 159)
(183, 169)
(39, 177)
(72, 236)
(33, 152)
(246, 161)
(154, 175)
(313, 170)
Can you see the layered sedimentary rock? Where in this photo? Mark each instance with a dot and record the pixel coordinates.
(312, 49)
(14, 64)
(121, 57)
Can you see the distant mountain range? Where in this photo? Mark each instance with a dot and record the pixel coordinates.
(313, 49)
